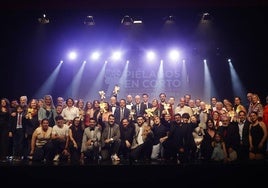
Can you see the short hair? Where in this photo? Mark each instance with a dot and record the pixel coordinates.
(45, 119)
(162, 94)
(177, 114)
(59, 117)
(140, 116)
(92, 119)
(185, 115)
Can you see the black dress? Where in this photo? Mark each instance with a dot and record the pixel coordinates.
(257, 135)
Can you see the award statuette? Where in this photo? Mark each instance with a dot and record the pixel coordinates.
(102, 107)
(132, 114)
(102, 104)
(102, 94)
(149, 112)
(29, 113)
(116, 90)
(166, 107)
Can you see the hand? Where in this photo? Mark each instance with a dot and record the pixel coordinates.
(108, 140)
(88, 142)
(65, 152)
(128, 144)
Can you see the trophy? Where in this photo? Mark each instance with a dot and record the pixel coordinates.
(102, 94)
(166, 107)
(208, 107)
(29, 113)
(102, 104)
(132, 113)
(116, 90)
(149, 112)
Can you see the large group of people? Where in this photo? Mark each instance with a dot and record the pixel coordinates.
(133, 129)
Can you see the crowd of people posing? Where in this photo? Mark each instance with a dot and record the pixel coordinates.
(134, 129)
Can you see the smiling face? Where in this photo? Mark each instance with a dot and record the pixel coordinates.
(44, 124)
(253, 117)
(111, 120)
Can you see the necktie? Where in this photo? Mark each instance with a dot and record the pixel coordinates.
(138, 109)
(19, 121)
(121, 113)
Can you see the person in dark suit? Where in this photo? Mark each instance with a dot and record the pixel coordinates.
(17, 128)
(113, 104)
(179, 139)
(121, 111)
(145, 100)
(162, 102)
(110, 140)
(127, 131)
(243, 126)
(139, 108)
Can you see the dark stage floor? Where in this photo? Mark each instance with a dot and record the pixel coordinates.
(123, 173)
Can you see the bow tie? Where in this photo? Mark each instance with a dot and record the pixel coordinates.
(91, 129)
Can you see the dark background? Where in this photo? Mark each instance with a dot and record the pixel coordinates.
(28, 59)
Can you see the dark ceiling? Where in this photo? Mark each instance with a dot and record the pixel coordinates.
(241, 24)
(115, 4)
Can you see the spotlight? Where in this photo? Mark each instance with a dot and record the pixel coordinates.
(150, 55)
(43, 20)
(72, 55)
(137, 21)
(170, 20)
(206, 16)
(127, 20)
(174, 55)
(89, 20)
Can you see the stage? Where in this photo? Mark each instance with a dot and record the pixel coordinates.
(150, 173)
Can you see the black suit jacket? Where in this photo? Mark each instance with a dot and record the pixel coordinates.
(13, 123)
(142, 109)
(117, 114)
(245, 133)
(149, 105)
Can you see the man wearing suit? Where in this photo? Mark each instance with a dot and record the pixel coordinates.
(243, 126)
(145, 100)
(162, 98)
(138, 107)
(129, 102)
(17, 127)
(142, 143)
(110, 140)
(113, 104)
(121, 111)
